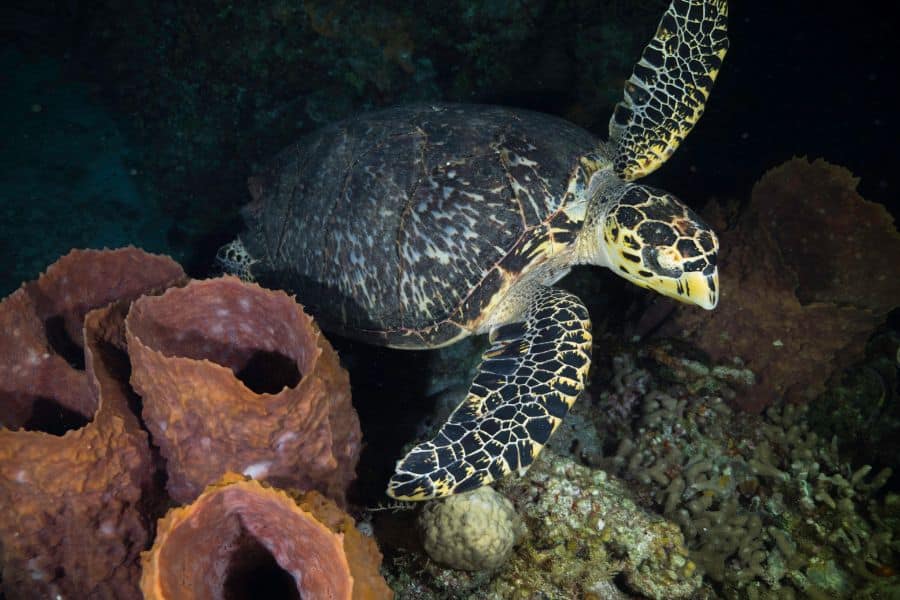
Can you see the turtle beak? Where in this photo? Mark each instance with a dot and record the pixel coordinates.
(700, 289)
(691, 288)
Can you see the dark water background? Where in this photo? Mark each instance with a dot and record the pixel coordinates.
(83, 111)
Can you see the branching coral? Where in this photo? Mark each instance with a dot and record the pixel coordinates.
(767, 508)
(240, 536)
(236, 377)
(807, 273)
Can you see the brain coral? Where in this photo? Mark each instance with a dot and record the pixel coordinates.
(473, 531)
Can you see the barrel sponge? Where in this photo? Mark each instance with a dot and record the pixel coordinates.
(75, 465)
(217, 545)
(472, 532)
(235, 377)
(45, 316)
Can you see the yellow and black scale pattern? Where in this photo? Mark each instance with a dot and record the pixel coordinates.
(647, 221)
(666, 94)
(400, 227)
(528, 379)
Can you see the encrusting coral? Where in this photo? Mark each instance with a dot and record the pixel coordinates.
(223, 545)
(71, 489)
(586, 528)
(807, 274)
(235, 377)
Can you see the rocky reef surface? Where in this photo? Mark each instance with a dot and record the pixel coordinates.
(673, 494)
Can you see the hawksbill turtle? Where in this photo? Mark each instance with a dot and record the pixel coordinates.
(416, 226)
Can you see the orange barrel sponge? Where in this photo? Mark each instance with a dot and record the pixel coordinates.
(235, 377)
(73, 482)
(243, 539)
(41, 356)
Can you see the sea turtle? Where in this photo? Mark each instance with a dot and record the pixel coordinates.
(416, 226)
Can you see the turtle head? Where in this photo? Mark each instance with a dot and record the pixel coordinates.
(653, 240)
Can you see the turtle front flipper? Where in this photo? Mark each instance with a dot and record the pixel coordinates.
(666, 93)
(528, 379)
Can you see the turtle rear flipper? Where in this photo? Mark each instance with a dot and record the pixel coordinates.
(528, 379)
(666, 93)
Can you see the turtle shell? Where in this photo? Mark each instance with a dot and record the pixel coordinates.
(400, 226)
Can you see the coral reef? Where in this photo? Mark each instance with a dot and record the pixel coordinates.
(768, 509)
(238, 378)
(862, 406)
(587, 528)
(806, 277)
(74, 476)
(471, 531)
(584, 528)
(695, 499)
(241, 537)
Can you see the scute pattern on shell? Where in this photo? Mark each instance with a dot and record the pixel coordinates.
(390, 221)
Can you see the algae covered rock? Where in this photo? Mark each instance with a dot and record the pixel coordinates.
(472, 532)
(585, 529)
